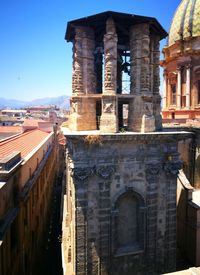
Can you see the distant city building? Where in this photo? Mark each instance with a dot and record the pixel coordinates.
(181, 64)
(14, 113)
(181, 110)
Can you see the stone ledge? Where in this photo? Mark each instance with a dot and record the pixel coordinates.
(128, 136)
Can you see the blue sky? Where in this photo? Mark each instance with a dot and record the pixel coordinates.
(35, 60)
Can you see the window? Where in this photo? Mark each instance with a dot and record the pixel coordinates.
(173, 94)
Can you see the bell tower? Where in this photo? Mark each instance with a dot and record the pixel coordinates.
(120, 207)
(106, 85)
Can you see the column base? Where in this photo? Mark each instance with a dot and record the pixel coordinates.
(148, 124)
(109, 124)
(83, 114)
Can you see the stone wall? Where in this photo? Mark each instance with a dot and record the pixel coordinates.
(137, 170)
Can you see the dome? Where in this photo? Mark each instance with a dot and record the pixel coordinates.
(186, 21)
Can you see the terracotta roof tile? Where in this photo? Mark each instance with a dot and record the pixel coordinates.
(11, 129)
(31, 122)
(25, 143)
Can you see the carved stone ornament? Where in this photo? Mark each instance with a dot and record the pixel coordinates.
(105, 172)
(81, 174)
(172, 167)
(153, 168)
(108, 108)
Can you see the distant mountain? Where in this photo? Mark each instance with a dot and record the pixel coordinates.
(11, 103)
(60, 101)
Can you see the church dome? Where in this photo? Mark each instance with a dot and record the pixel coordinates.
(186, 21)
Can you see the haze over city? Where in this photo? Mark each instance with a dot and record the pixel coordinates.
(35, 59)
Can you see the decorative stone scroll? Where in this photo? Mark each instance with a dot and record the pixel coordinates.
(172, 167)
(105, 171)
(153, 167)
(81, 173)
(108, 108)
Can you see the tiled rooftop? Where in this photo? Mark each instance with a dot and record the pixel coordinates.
(32, 122)
(11, 129)
(8, 131)
(25, 143)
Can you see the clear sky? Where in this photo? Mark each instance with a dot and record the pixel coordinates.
(35, 60)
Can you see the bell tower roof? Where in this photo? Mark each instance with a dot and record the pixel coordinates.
(123, 22)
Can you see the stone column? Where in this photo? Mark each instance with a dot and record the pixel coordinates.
(188, 68)
(164, 90)
(109, 117)
(77, 70)
(140, 59)
(155, 82)
(178, 105)
(83, 109)
(155, 61)
(88, 48)
(110, 58)
(141, 118)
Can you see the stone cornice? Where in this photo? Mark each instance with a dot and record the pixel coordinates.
(131, 137)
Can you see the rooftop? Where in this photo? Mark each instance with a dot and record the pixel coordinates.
(11, 129)
(8, 131)
(123, 22)
(25, 143)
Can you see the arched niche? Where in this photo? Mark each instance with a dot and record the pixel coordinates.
(128, 227)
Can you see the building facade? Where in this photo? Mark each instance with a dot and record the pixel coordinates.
(28, 170)
(120, 204)
(181, 64)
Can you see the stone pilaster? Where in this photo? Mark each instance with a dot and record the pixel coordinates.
(155, 61)
(164, 90)
(105, 172)
(188, 80)
(155, 67)
(80, 176)
(81, 241)
(109, 117)
(171, 167)
(152, 177)
(178, 106)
